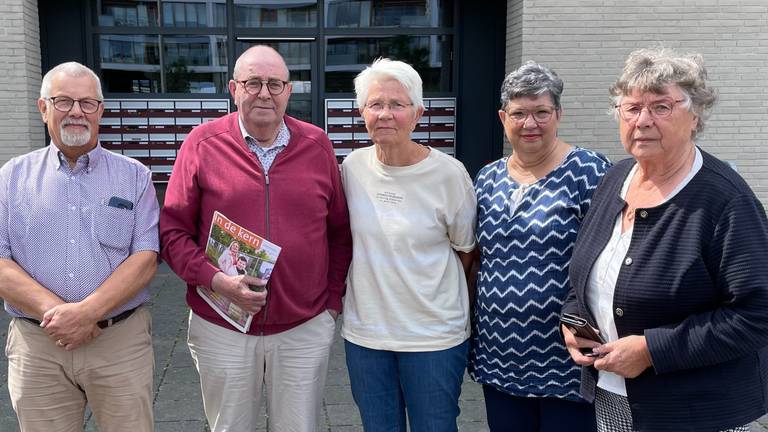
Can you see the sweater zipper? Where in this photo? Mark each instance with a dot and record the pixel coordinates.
(266, 236)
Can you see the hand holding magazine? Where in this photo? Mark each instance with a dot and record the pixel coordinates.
(237, 251)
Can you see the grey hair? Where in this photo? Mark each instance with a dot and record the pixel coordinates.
(384, 68)
(530, 80)
(72, 70)
(653, 69)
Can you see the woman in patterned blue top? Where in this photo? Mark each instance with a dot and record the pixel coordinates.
(530, 207)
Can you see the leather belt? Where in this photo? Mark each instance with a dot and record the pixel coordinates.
(102, 324)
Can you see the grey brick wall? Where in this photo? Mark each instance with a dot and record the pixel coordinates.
(586, 42)
(21, 128)
(514, 43)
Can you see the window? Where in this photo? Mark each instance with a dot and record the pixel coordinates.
(179, 46)
(149, 13)
(394, 13)
(192, 64)
(194, 14)
(126, 13)
(130, 63)
(266, 13)
(429, 55)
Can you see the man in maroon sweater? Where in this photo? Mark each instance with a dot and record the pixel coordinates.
(278, 177)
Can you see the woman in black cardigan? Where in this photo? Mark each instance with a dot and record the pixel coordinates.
(671, 265)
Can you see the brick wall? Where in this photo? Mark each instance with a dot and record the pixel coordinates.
(586, 42)
(21, 128)
(514, 44)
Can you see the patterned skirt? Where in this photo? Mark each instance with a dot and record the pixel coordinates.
(613, 413)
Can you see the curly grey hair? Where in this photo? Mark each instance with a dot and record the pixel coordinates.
(653, 69)
(530, 80)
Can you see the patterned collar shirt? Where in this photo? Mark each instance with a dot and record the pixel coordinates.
(68, 227)
(267, 155)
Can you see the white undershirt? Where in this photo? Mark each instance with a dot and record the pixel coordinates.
(605, 272)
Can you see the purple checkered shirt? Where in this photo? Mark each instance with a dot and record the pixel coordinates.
(57, 226)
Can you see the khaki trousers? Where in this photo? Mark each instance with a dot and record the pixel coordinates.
(234, 367)
(112, 374)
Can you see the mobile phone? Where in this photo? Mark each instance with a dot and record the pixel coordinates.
(120, 203)
(581, 328)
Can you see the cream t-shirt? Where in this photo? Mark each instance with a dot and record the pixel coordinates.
(406, 289)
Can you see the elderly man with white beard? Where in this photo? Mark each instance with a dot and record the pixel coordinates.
(78, 246)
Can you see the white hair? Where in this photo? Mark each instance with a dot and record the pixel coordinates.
(384, 68)
(70, 69)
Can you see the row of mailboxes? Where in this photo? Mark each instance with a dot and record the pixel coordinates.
(152, 130)
(166, 108)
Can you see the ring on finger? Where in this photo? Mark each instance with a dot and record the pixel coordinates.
(59, 343)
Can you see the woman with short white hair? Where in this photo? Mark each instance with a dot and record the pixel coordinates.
(406, 311)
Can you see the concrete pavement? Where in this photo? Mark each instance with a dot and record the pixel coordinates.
(178, 406)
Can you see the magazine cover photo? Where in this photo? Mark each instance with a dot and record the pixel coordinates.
(237, 251)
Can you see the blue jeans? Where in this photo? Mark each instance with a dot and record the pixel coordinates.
(387, 383)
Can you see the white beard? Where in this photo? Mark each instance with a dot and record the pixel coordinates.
(75, 139)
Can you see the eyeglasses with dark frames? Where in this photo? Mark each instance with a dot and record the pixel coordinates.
(630, 112)
(66, 103)
(253, 86)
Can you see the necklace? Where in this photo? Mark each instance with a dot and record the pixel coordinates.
(639, 196)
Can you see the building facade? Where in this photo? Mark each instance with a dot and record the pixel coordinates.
(164, 66)
(587, 41)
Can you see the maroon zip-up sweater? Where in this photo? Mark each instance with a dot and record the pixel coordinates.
(299, 206)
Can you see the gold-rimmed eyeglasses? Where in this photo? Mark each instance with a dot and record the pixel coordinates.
(630, 112)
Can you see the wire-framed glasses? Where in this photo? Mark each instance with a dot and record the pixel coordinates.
(630, 112)
(540, 115)
(394, 106)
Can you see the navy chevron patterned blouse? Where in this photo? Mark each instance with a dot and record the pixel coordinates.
(523, 279)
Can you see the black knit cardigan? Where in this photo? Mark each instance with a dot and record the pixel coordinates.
(695, 283)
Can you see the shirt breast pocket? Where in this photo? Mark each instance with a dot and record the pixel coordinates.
(113, 228)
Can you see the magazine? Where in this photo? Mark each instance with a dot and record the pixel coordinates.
(236, 251)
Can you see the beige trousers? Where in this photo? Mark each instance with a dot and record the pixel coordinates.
(112, 374)
(234, 367)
